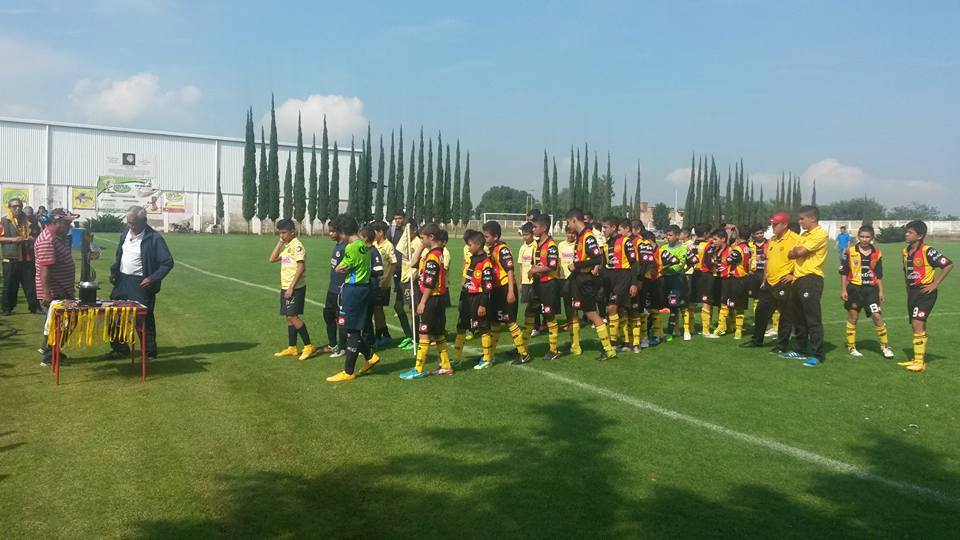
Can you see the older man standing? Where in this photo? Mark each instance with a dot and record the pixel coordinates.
(141, 262)
(56, 271)
(18, 235)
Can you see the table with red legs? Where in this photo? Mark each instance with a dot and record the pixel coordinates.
(69, 307)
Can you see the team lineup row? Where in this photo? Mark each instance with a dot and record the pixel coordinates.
(616, 278)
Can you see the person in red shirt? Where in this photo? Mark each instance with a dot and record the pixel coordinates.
(545, 274)
(56, 271)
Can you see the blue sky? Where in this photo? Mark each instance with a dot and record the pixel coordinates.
(861, 96)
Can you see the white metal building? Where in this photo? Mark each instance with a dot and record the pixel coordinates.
(50, 162)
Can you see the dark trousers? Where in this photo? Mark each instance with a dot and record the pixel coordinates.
(331, 310)
(19, 274)
(128, 287)
(807, 319)
(770, 299)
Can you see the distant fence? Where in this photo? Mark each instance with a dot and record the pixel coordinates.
(934, 228)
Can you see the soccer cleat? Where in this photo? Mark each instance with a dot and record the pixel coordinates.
(906, 363)
(655, 341)
(327, 349)
(521, 360)
(404, 343)
(852, 351)
(483, 364)
(687, 336)
(812, 361)
(917, 366)
(407, 347)
(576, 351)
(341, 377)
(338, 353)
(667, 338)
(771, 332)
(738, 335)
(468, 337)
(289, 351)
(443, 371)
(709, 335)
(552, 355)
(607, 355)
(638, 349)
(625, 348)
(750, 344)
(308, 351)
(413, 374)
(368, 365)
(644, 343)
(791, 355)
(887, 352)
(534, 333)
(718, 332)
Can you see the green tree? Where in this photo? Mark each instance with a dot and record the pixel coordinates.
(411, 183)
(390, 203)
(324, 210)
(728, 199)
(635, 205)
(570, 202)
(334, 199)
(455, 201)
(249, 171)
(466, 205)
(352, 202)
(554, 193)
(398, 199)
(299, 188)
(378, 204)
(813, 193)
(661, 216)
(701, 215)
(219, 199)
(263, 190)
(690, 204)
(438, 183)
(312, 182)
(447, 180)
(623, 202)
(545, 188)
(584, 193)
(366, 186)
(503, 199)
(421, 175)
(273, 165)
(577, 184)
(428, 187)
(288, 191)
(608, 188)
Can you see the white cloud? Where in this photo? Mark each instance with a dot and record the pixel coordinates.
(679, 177)
(130, 99)
(344, 117)
(20, 60)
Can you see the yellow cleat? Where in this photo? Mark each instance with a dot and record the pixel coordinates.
(738, 335)
(576, 351)
(906, 363)
(308, 351)
(368, 365)
(917, 367)
(289, 351)
(341, 377)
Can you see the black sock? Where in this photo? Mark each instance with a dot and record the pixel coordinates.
(304, 335)
(291, 336)
(350, 360)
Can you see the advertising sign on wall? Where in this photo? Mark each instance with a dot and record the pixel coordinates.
(21, 193)
(173, 202)
(83, 198)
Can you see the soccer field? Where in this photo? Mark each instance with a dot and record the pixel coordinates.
(689, 439)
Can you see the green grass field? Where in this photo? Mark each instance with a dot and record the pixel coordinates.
(692, 440)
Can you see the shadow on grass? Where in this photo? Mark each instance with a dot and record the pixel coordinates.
(561, 481)
(172, 361)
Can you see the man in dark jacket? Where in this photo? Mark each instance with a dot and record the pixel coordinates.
(142, 261)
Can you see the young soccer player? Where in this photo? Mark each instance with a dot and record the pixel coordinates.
(655, 300)
(478, 285)
(527, 293)
(431, 317)
(503, 297)
(704, 285)
(291, 255)
(356, 267)
(464, 315)
(861, 288)
(369, 237)
(675, 282)
(620, 277)
(568, 248)
(409, 248)
(585, 266)
(734, 265)
(336, 337)
(920, 262)
(388, 256)
(545, 272)
(758, 265)
(639, 317)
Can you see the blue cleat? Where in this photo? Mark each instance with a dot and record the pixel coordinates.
(483, 364)
(655, 341)
(791, 355)
(413, 374)
(812, 361)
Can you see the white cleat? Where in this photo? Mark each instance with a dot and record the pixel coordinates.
(687, 336)
(887, 352)
(854, 352)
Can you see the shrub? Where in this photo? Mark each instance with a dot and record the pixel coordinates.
(105, 223)
(891, 235)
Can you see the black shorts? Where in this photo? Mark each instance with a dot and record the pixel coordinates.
(919, 303)
(583, 291)
(708, 289)
(733, 292)
(549, 294)
(433, 322)
(293, 306)
(473, 322)
(499, 310)
(354, 306)
(652, 294)
(693, 284)
(617, 286)
(528, 295)
(381, 296)
(752, 282)
(865, 297)
(675, 290)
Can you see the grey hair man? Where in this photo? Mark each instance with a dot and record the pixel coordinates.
(140, 264)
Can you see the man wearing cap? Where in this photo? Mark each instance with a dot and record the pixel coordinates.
(141, 262)
(56, 271)
(809, 256)
(19, 271)
(776, 289)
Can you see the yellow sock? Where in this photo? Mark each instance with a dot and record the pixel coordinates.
(625, 329)
(686, 321)
(637, 333)
(554, 334)
(657, 325)
(458, 344)
(517, 336)
(527, 328)
(444, 354)
(775, 320)
(495, 330)
(487, 341)
(422, 352)
(738, 321)
(613, 321)
(705, 318)
(882, 334)
(851, 335)
(575, 334)
(722, 318)
(603, 336)
(919, 346)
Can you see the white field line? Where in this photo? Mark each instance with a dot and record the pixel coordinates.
(769, 444)
(841, 467)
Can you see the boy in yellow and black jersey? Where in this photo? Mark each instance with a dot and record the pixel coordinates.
(861, 288)
(734, 265)
(504, 298)
(431, 318)
(546, 275)
(619, 275)
(920, 262)
(588, 258)
(477, 287)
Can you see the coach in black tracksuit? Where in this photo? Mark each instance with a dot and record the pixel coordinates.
(141, 262)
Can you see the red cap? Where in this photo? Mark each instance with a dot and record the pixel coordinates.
(780, 217)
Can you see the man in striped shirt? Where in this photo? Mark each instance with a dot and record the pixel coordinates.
(56, 271)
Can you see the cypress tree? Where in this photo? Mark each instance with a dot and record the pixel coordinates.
(554, 193)
(447, 180)
(545, 188)
(813, 193)
(428, 186)
(421, 200)
(334, 199)
(455, 201)
(577, 185)
(776, 198)
(273, 165)
(466, 205)
(323, 181)
(288, 191)
(728, 199)
(411, 184)
(689, 205)
(636, 192)
(263, 190)
(378, 205)
(438, 183)
(249, 176)
(623, 203)
(701, 216)
(367, 185)
(398, 199)
(798, 196)
(608, 188)
(352, 202)
(595, 191)
(312, 182)
(390, 203)
(572, 186)
(299, 187)
(219, 200)
(716, 188)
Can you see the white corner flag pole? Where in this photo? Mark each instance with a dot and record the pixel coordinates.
(413, 307)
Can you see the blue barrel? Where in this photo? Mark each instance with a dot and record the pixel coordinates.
(76, 238)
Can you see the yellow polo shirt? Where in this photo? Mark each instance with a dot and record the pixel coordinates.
(389, 261)
(778, 264)
(290, 255)
(568, 252)
(815, 240)
(413, 246)
(526, 262)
